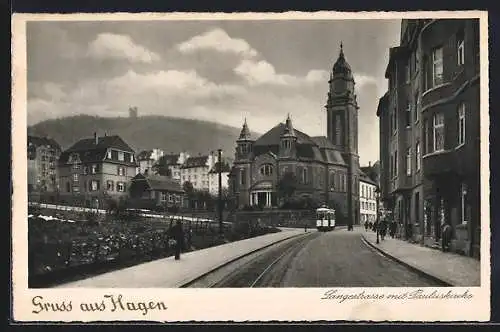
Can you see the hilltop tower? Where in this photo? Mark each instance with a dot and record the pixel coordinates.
(342, 127)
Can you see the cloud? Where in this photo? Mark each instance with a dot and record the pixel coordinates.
(169, 82)
(262, 72)
(114, 46)
(218, 40)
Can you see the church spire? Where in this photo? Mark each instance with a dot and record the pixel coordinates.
(245, 132)
(288, 127)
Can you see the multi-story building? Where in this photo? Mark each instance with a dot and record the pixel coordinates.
(213, 177)
(147, 160)
(43, 153)
(173, 162)
(367, 199)
(429, 127)
(196, 171)
(327, 168)
(95, 169)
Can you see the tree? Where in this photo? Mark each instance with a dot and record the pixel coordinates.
(188, 188)
(287, 185)
(161, 167)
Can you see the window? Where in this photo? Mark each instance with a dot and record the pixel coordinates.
(94, 185)
(463, 201)
(286, 144)
(266, 170)
(408, 115)
(108, 154)
(163, 197)
(95, 169)
(416, 115)
(120, 186)
(76, 189)
(338, 130)
(171, 198)
(417, 156)
(76, 165)
(243, 149)
(121, 170)
(395, 163)
(438, 132)
(75, 177)
(461, 124)
(121, 156)
(131, 158)
(460, 48)
(304, 175)
(394, 121)
(408, 162)
(68, 187)
(437, 66)
(110, 185)
(417, 207)
(85, 170)
(243, 177)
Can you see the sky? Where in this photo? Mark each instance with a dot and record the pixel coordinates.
(221, 71)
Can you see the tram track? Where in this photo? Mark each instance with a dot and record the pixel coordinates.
(256, 271)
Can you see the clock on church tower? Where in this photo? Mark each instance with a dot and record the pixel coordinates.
(339, 86)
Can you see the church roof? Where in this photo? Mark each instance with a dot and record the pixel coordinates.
(341, 66)
(245, 132)
(317, 148)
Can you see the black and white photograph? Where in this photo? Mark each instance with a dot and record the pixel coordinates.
(338, 160)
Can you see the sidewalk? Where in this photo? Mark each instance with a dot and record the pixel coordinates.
(453, 269)
(167, 272)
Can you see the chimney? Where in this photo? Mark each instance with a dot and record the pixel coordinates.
(96, 139)
(369, 164)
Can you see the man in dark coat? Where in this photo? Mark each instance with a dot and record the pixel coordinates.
(178, 236)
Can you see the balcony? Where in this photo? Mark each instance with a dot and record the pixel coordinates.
(439, 163)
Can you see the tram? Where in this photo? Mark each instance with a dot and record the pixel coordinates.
(325, 219)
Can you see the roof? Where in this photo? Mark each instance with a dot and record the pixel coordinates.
(39, 141)
(104, 142)
(169, 159)
(394, 53)
(317, 148)
(90, 152)
(341, 66)
(145, 155)
(369, 173)
(382, 103)
(198, 161)
(225, 168)
(245, 132)
(159, 183)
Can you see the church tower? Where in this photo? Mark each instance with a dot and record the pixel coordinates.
(342, 127)
(242, 166)
(288, 141)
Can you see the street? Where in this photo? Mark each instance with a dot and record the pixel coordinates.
(333, 259)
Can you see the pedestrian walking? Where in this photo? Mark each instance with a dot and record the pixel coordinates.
(305, 228)
(383, 229)
(446, 237)
(392, 229)
(366, 226)
(178, 235)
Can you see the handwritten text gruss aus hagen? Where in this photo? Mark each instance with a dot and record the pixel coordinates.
(109, 302)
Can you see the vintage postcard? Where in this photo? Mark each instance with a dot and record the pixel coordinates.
(251, 167)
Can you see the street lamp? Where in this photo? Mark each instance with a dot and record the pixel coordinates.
(377, 196)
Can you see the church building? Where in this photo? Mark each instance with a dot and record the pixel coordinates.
(326, 168)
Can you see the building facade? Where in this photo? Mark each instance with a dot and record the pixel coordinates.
(43, 153)
(152, 191)
(173, 162)
(213, 177)
(196, 169)
(95, 169)
(367, 199)
(147, 160)
(326, 168)
(429, 127)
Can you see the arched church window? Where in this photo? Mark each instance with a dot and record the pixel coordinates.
(266, 170)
